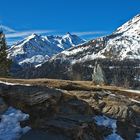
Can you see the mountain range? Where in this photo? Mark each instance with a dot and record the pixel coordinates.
(122, 44)
(36, 49)
(69, 57)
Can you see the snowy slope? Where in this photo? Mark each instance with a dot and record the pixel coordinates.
(122, 44)
(36, 49)
(126, 44)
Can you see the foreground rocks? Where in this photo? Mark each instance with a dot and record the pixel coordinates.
(53, 111)
(115, 106)
(68, 114)
(3, 106)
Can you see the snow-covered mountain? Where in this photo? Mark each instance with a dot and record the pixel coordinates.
(126, 43)
(122, 44)
(118, 54)
(36, 49)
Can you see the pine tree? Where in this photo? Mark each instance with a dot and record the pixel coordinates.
(4, 62)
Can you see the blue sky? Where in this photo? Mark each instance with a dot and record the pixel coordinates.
(86, 18)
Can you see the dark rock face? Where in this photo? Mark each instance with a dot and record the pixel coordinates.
(115, 106)
(3, 106)
(126, 130)
(53, 111)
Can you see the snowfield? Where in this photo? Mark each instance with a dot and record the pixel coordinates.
(110, 123)
(10, 128)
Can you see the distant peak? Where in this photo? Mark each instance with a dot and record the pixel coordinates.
(68, 33)
(34, 35)
(138, 15)
(132, 25)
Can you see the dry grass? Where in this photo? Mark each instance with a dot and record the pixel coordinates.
(72, 85)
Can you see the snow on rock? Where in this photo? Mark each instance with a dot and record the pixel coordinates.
(137, 78)
(132, 91)
(37, 49)
(74, 51)
(12, 84)
(110, 123)
(10, 128)
(135, 101)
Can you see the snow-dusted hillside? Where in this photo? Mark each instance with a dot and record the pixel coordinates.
(36, 49)
(126, 44)
(123, 44)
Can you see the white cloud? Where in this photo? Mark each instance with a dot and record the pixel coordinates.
(13, 35)
(90, 33)
(26, 33)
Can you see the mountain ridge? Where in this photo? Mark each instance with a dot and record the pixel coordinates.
(118, 54)
(124, 43)
(36, 49)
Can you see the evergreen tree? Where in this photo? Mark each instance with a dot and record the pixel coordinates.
(4, 62)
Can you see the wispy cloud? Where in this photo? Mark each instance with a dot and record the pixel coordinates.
(13, 35)
(26, 33)
(90, 33)
(7, 29)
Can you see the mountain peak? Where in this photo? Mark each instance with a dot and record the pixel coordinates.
(68, 33)
(131, 27)
(137, 16)
(33, 35)
(36, 49)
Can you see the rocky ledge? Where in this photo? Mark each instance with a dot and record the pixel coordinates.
(70, 114)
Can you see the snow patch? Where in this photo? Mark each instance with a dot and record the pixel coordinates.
(10, 128)
(133, 100)
(110, 123)
(13, 84)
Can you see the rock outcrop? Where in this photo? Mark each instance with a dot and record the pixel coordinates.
(68, 114)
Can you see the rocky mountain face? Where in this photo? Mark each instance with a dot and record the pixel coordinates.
(66, 113)
(118, 54)
(36, 49)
